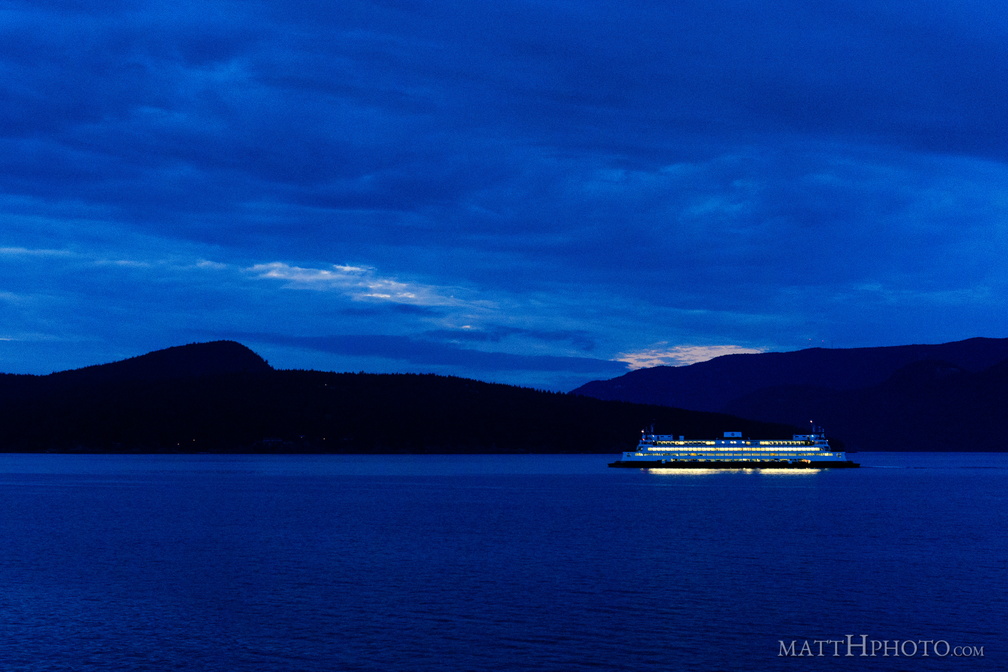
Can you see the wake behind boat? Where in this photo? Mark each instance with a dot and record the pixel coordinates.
(666, 451)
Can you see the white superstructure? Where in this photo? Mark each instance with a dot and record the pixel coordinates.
(667, 448)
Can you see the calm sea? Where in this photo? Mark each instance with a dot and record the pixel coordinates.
(526, 562)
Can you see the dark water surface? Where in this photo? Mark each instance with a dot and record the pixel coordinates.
(495, 562)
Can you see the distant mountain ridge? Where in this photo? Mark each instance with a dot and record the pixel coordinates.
(223, 397)
(916, 397)
(926, 405)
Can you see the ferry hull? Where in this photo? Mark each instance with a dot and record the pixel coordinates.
(732, 464)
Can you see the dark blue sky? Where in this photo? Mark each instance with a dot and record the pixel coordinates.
(539, 193)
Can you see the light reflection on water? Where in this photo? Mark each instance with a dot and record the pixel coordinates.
(701, 472)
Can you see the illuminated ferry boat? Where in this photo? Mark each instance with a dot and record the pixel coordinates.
(802, 451)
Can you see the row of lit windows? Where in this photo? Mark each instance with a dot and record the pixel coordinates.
(720, 448)
(686, 443)
(729, 443)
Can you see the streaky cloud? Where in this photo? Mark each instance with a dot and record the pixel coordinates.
(357, 282)
(33, 252)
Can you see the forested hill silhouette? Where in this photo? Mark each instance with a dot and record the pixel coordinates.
(183, 361)
(222, 397)
(915, 397)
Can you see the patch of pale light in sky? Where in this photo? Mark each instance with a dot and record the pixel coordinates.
(662, 354)
(124, 263)
(32, 252)
(357, 282)
(212, 265)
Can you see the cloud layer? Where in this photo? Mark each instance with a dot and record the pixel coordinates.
(519, 184)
